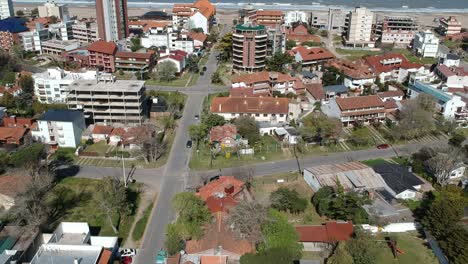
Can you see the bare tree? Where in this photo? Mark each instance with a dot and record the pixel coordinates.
(443, 163)
(246, 220)
(151, 146)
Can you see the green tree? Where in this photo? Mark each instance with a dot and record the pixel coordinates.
(320, 127)
(175, 101)
(216, 78)
(4, 160)
(225, 46)
(166, 71)
(112, 199)
(27, 156)
(330, 76)
(362, 247)
(211, 120)
(193, 214)
(9, 78)
(174, 242)
(361, 137)
(197, 132)
(168, 122)
(340, 255)
(457, 139)
(278, 233)
(248, 129)
(8, 100)
(455, 244)
(290, 44)
(192, 64)
(270, 256)
(278, 62)
(288, 200)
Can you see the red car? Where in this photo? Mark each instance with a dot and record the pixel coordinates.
(383, 146)
(126, 260)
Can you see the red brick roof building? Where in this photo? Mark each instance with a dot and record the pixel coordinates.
(363, 109)
(299, 33)
(12, 135)
(391, 67)
(268, 18)
(311, 56)
(225, 135)
(135, 61)
(265, 83)
(357, 73)
(314, 237)
(13, 121)
(102, 55)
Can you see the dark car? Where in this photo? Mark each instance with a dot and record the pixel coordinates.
(189, 144)
(383, 146)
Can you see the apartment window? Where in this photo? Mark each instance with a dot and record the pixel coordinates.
(281, 115)
(265, 115)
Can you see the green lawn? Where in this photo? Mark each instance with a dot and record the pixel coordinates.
(100, 147)
(414, 248)
(74, 200)
(178, 82)
(357, 54)
(452, 44)
(310, 255)
(140, 225)
(373, 162)
(415, 59)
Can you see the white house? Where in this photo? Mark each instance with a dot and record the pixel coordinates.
(198, 20)
(453, 77)
(426, 44)
(51, 86)
(291, 17)
(60, 127)
(178, 61)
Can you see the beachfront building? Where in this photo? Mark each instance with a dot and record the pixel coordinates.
(50, 8)
(268, 18)
(333, 20)
(291, 17)
(109, 102)
(397, 30)
(6, 9)
(449, 26)
(249, 47)
(112, 19)
(200, 14)
(426, 44)
(359, 31)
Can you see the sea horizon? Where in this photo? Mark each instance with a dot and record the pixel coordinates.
(404, 6)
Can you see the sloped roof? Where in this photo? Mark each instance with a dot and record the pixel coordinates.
(316, 90)
(213, 259)
(197, 36)
(219, 185)
(12, 133)
(260, 105)
(350, 103)
(102, 130)
(11, 185)
(339, 88)
(312, 53)
(400, 61)
(13, 25)
(103, 47)
(398, 177)
(217, 133)
(394, 93)
(357, 69)
(263, 76)
(205, 8)
(329, 232)
(9, 121)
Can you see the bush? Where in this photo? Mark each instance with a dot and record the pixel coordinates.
(285, 199)
(89, 142)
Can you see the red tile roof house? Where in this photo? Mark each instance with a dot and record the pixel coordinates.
(315, 237)
(135, 61)
(225, 135)
(454, 77)
(12, 135)
(101, 132)
(102, 55)
(13, 121)
(265, 83)
(300, 34)
(263, 109)
(393, 67)
(311, 57)
(10, 187)
(199, 39)
(223, 194)
(350, 110)
(357, 73)
(178, 57)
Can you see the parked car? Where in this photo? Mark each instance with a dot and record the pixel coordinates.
(189, 144)
(128, 252)
(383, 146)
(197, 117)
(126, 260)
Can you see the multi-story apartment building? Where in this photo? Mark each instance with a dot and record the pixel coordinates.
(51, 86)
(265, 83)
(10, 28)
(333, 20)
(263, 109)
(449, 26)
(453, 77)
(6, 9)
(52, 9)
(62, 30)
(112, 19)
(397, 30)
(426, 44)
(85, 32)
(359, 28)
(134, 61)
(57, 47)
(249, 47)
(102, 55)
(170, 38)
(393, 67)
(61, 128)
(268, 18)
(121, 102)
(32, 40)
(295, 16)
(349, 110)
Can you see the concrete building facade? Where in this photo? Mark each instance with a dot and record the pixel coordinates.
(397, 30)
(426, 44)
(112, 19)
(359, 28)
(50, 8)
(6, 9)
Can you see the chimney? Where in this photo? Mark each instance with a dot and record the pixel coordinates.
(13, 118)
(229, 189)
(245, 102)
(219, 108)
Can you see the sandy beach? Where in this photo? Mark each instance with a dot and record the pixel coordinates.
(225, 16)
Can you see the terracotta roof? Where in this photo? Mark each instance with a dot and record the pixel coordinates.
(447, 72)
(217, 133)
(219, 186)
(173, 259)
(391, 93)
(198, 36)
(12, 134)
(220, 204)
(102, 130)
(136, 55)
(359, 102)
(171, 56)
(390, 104)
(12, 185)
(17, 122)
(316, 90)
(213, 259)
(103, 47)
(105, 256)
(357, 69)
(329, 232)
(218, 235)
(118, 131)
(205, 8)
(260, 105)
(269, 13)
(263, 76)
(303, 38)
(363, 112)
(312, 53)
(376, 62)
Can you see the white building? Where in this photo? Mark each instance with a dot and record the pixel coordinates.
(60, 127)
(62, 30)
(198, 20)
(453, 77)
(32, 40)
(52, 9)
(359, 33)
(72, 242)
(6, 9)
(450, 106)
(52, 86)
(291, 17)
(426, 44)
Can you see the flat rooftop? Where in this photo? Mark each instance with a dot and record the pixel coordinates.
(48, 254)
(117, 86)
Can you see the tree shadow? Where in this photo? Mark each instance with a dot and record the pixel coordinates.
(63, 199)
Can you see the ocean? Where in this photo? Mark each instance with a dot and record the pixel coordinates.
(410, 6)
